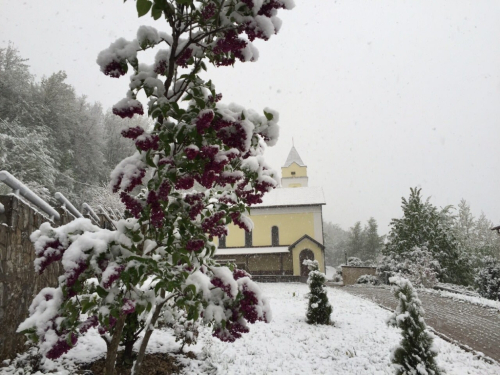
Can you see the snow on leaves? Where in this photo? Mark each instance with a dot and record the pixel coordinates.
(204, 167)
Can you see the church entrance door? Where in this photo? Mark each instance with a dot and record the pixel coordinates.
(305, 254)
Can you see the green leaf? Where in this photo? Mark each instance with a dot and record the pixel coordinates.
(169, 10)
(175, 107)
(134, 62)
(149, 160)
(200, 103)
(161, 4)
(156, 12)
(269, 116)
(143, 7)
(68, 340)
(87, 304)
(149, 90)
(190, 288)
(101, 292)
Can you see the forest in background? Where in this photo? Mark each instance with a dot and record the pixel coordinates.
(53, 140)
(471, 234)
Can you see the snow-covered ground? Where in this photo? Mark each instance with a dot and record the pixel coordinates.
(330, 271)
(359, 343)
(480, 301)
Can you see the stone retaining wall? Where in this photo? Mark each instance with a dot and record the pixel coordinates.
(351, 274)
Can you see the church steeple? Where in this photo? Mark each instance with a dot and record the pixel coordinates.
(294, 157)
(294, 172)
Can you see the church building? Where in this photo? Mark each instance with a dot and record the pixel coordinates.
(288, 228)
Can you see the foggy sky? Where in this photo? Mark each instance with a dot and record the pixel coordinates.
(379, 96)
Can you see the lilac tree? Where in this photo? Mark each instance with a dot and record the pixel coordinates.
(205, 163)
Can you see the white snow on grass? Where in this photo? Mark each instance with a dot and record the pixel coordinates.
(330, 272)
(360, 342)
(480, 301)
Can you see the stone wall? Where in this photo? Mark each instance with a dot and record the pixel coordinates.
(19, 282)
(261, 264)
(351, 274)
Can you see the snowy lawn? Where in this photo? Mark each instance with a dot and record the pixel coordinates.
(480, 301)
(359, 343)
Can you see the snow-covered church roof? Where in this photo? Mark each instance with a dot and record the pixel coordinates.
(299, 196)
(293, 157)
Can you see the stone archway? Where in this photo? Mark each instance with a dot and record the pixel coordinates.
(305, 254)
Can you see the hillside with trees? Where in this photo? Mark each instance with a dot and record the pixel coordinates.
(54, 140)
(363, 242)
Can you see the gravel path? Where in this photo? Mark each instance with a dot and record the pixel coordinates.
(475, 326)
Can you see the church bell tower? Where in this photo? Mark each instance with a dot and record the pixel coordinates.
(294, 172)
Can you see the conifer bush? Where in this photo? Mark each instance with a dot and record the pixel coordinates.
(319, 309)
(415, 353)
(488, 279)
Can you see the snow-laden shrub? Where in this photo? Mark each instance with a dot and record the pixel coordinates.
(488, 279)
(319, 309)
(417, 265)
(368, 279)
(354, 262)
(337, 278)
(199, 167)
(415, 354)
(185, 330)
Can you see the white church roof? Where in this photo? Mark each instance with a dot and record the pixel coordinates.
(299, 196)
(293, 157)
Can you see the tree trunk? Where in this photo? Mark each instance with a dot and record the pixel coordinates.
(128, 353)
(136, 368)
(109, 368)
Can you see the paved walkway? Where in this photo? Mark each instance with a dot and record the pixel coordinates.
(475, 326)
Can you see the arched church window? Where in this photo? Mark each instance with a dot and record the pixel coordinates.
(222, 242)
(275, 236)
(248, 239)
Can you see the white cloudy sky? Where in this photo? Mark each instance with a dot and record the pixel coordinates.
(378, 95)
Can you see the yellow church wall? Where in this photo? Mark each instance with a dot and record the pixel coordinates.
(235, 238)
(291, 228)
(318, 255)
(294, 167)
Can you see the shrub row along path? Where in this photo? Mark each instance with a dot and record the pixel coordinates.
(474, 326)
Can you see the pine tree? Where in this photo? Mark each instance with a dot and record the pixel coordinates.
(415, 353)
(372, 244)
(423, 225)
(319, 309)
(355, 242)
(335, 244)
